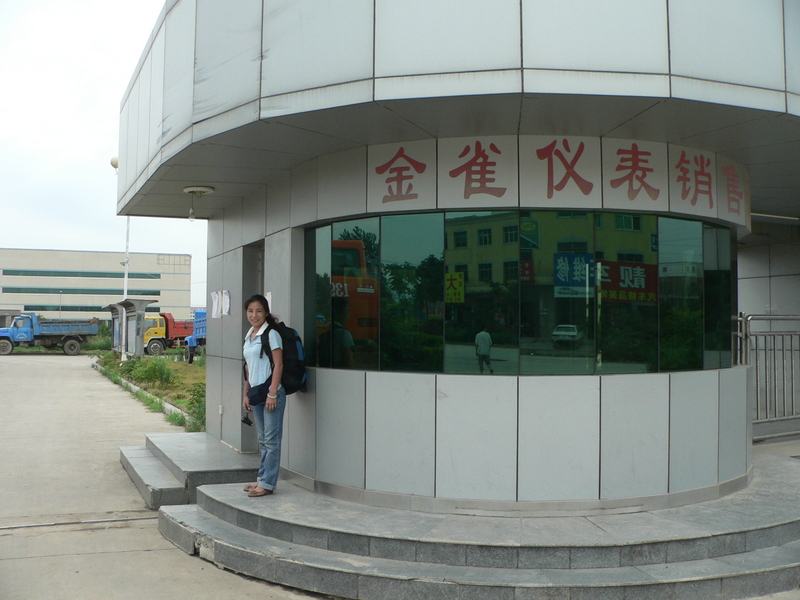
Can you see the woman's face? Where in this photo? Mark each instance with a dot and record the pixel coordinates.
(256, 314)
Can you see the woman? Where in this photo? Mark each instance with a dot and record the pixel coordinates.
(269, 415)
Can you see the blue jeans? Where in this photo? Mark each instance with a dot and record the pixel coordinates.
(270, 433)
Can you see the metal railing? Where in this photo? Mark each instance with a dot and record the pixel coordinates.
(775, 357)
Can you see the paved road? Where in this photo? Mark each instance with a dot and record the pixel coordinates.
(72, 525)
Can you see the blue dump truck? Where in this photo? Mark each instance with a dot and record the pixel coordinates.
(198, 337)
(199, 332)
(27, 330)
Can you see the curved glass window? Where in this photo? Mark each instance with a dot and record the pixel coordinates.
(520, 292)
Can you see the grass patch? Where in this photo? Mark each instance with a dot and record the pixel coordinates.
(177, 418)
(163, 379)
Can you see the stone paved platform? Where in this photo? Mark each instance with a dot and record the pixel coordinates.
(743, 545)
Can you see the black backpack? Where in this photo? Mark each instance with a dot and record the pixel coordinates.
(294, 358)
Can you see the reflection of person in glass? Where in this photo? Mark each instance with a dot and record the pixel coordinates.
(341, 339)
(483, 348)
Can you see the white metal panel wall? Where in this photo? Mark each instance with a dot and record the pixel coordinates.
(732, 41)
(693, 430)
(131, 137)
(791, 15)
(634, 435)
(178, 70)
(279, 203)
(304, 193)
(449, 36)
(342, 185)
(733, 423)
(156, 108)
(214, 392)
(277, 272)
(476, 437)
(143, 126)
(232, 226)
(340, 426)
(215, 234)
(559, 438)
(585, 35)
(227, 66)
(314, 43)
(254, 216)
(233, 324)
(401, 433)
(300, 440)
(234, 432)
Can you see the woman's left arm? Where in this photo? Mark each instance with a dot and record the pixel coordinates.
(277, 373)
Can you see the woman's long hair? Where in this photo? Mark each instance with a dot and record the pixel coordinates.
(271, 319)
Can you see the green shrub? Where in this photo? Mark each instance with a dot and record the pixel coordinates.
(176, 418)
(196, 408)
(154, 371)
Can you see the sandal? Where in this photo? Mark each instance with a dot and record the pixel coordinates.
(257, 494)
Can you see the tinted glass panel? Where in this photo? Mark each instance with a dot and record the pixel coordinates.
(627, 300)
(520, 292)
(717, 283)
(478, 295)
(355, 294)
(557, 281)
(318, 296)
(412, 293)
(680, 284)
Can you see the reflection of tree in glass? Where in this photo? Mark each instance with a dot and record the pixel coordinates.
(410, 340)
(681, 339)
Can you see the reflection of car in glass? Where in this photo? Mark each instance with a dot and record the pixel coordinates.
(566, 335)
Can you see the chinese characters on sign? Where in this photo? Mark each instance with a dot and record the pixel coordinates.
(478, 172)
(692, 181)
(573, 275)
(571, 173)
(399, 174)
(454, 287)
(560, 172)
(628, 282)
(733, 192)
(635, 175)
(635, 162)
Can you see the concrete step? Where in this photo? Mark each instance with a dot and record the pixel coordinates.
(157, 485)
(169, 461)
(710, 530)
(742, 575)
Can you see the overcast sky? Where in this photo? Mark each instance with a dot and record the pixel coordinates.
(64, 67)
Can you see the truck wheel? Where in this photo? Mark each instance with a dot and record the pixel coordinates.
(6, 347)
(155, 347)
(72, 347)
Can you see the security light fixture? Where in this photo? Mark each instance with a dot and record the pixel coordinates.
(197, 191)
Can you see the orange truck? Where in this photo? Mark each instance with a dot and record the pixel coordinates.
(350, 279)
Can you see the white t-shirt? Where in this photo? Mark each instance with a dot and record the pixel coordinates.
(258, 367)
(484, 343)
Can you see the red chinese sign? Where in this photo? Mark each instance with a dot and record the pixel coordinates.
(399, 167)
(636, 163)
(699, 183)
(734, 189)
(628, 282)
(550, 152)
(478, 171)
